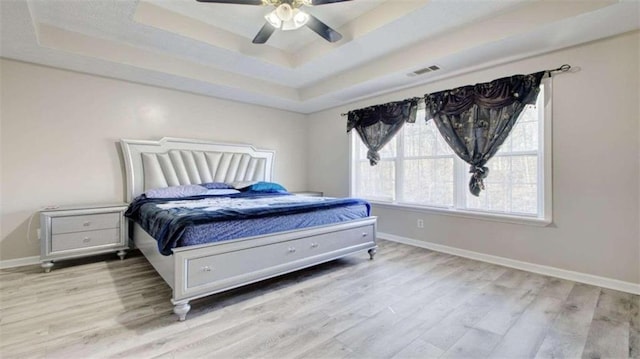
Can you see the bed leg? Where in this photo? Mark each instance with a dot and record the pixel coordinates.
(47, 266)
(121, 253)
(372, 253)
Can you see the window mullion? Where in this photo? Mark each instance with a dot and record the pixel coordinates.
(430, 157)
(510, 187)
(399, 164)
(354, 174)
(516, 153)
(459, 181)
(544, 149)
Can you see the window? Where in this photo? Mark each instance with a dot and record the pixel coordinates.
(418, 169)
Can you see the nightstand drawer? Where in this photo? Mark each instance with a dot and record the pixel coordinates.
(85, 223)
(66, 241)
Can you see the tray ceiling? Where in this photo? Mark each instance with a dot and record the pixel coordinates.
(206, 48)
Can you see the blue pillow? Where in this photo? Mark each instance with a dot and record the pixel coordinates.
(176, 191)
(216, 185)
(267, 187)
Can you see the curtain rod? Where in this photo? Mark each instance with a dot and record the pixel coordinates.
(563, 68)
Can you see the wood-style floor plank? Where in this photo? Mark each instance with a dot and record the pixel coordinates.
(407, 303)
(524, 338)
(567, 336)
(475, 343)
(634, 328)
(608, 334)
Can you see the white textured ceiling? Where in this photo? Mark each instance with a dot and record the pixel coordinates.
(206, 48)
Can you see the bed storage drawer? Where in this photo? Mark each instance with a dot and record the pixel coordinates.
(228, 265)
(335, 241)
(224, 269)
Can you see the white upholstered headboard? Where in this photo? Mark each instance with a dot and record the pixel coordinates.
(177, 161)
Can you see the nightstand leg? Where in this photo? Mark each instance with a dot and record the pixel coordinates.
(121, 253)
(372, 253)
(181, 309)
(46, 266)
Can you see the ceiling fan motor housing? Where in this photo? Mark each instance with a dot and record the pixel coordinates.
(284, 12)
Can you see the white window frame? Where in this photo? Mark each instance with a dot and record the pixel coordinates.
(545, 178)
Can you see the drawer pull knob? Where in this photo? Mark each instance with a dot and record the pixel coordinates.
(86, 224)
(292, 250)
(205, 269)
(86, 239)
(364, 234)
(314, 245)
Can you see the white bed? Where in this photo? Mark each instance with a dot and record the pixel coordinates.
(197, 271)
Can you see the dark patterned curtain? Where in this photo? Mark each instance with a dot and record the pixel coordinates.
(476, 119)
(377, 125)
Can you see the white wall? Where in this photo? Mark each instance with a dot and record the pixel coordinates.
(596, 166)
(59, 134)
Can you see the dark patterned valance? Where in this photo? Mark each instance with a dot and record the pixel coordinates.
(495, 94)
(476, 119)
(377, 125)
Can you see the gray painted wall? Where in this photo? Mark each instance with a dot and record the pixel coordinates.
(596, 167)
(60, 131)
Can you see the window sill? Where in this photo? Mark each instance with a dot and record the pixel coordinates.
(504, 218)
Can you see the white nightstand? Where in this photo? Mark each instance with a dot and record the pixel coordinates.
(79, 231)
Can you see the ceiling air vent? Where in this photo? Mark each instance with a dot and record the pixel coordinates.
(424, 70)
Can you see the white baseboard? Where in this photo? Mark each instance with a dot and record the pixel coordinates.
(19, 262)
(604, 282)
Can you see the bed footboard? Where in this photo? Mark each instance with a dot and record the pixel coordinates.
(209, 269)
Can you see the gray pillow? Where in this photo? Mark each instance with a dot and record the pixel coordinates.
(176, 191)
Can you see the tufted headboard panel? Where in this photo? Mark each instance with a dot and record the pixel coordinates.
(174, 161)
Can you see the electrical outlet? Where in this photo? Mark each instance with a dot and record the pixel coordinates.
(420, 223)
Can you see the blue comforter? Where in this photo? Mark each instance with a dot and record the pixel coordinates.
(167, 219)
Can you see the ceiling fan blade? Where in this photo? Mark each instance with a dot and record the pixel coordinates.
(322, 2)
(239, 2)
(323, 30)
(264, 34)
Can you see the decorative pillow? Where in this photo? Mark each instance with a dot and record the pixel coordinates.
(176, 191)
(221, 192)
(216, 185)
(267, 187)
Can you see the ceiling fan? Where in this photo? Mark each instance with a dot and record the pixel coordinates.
(288, 16)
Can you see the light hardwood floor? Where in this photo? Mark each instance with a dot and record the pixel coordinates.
(407, 303)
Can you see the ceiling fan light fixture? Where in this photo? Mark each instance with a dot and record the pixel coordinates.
(287, 18)
(298, 20)
(300, 17)
(273, 19)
